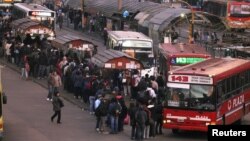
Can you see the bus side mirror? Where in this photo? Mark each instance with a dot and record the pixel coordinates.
(4, 98)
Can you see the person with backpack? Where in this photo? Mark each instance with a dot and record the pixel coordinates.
(87, 85)
(57, 105)
(140, 119)
(114, 112)
(99, 113)
(131, 111)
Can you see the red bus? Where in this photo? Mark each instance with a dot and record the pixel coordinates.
(172, 56)
(212, 92)
(236, 14)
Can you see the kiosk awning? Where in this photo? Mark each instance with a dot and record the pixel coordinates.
(112, 59)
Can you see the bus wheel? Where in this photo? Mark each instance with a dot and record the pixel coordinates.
(175, 131)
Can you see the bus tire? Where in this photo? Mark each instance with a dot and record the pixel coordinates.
(175, 131)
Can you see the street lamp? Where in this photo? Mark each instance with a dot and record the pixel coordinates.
(191, 24)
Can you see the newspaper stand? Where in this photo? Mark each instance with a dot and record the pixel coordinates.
(26, 26)
(109, 60)
(74, 44)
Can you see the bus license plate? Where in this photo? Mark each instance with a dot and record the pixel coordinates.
(180, 120)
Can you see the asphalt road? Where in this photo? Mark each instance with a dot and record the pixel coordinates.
(27, 117)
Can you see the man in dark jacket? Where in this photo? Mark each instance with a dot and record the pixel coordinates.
(57, 105)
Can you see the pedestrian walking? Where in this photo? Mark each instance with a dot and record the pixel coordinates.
(57, 105)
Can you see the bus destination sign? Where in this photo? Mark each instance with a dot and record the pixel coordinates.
(7, 1)
(39, 13)
(190, 79)
(185, 60)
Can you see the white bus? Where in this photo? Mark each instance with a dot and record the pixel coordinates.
(136, 45)
(35, 12)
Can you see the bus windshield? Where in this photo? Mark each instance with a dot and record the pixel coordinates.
(191, 96)
(144, 55)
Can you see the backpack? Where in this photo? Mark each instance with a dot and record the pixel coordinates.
(87, 85)
(140, 117)
(101, 110)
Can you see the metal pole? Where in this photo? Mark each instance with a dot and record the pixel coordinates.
(191, 24)
(82, 9)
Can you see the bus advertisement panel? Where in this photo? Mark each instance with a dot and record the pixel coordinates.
(173, 56)
(212, 92)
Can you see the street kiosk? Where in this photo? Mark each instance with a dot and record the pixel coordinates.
(26, 26)
(71, 43)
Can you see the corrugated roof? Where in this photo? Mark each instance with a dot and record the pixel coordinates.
(160, 15)
(102, 57)
(65, 39)
(20, 21)
(109, 7)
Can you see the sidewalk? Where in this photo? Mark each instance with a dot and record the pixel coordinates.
(43, 82)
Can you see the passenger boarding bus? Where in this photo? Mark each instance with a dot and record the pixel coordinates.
(35, 12)
(136, 45)
(173, 56)
(212, 92)
(3, 100)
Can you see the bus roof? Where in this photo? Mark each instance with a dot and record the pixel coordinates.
(5, 4)
(214, 66)
(32, 7)
(218, 1)
(245, 49)
(129, 35)
(181, 49)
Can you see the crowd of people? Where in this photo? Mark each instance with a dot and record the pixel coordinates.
(113, 97)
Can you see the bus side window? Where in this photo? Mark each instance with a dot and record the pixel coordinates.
(248, 79)
(219, 94)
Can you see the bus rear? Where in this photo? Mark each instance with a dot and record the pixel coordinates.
(238, 15)
(214, 91)
(174, 56)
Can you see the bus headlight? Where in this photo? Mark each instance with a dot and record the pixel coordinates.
(212, 123)
(166, 121)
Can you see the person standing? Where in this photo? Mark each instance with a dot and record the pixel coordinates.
(105, 35)
(60, 20)
(57, 105)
